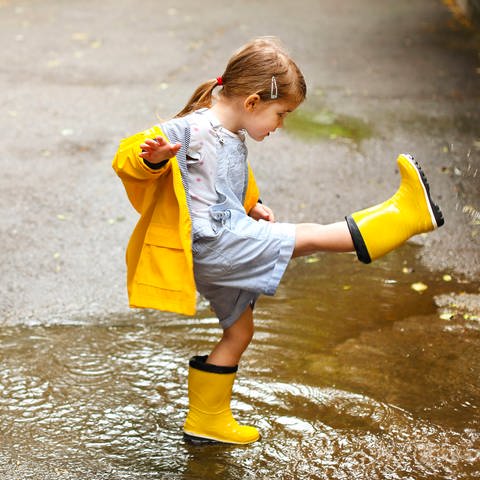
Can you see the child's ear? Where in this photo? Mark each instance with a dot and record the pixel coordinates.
(251, 102)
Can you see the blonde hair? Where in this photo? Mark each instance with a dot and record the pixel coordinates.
(249, 71)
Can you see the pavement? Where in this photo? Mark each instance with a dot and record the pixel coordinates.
(78, 76)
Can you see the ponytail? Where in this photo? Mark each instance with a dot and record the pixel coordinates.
(262, 66)
(201, 98)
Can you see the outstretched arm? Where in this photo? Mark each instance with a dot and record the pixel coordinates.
(157, 150)
(131, 164)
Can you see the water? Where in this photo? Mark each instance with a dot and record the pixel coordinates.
(352, 375)
(323, 123)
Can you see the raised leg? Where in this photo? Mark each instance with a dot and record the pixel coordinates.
(313, 237)
(375, 231)
(382, 228)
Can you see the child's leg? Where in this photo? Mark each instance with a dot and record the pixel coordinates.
(210, 382)
(313, 237)
(234, 341)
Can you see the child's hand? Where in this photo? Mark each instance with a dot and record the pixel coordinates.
(157, 150)
(262, 212)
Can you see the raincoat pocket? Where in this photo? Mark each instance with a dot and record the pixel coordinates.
(162, 262)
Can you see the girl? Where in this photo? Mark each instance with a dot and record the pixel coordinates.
(203, 227)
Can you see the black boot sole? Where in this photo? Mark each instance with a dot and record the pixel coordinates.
(198, 441)
(437, 213)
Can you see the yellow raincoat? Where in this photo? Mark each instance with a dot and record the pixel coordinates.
(159, 253)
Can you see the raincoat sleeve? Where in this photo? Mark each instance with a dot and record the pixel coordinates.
(136, 176)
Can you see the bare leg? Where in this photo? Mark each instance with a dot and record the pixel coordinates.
(313, 237)
(235, 340)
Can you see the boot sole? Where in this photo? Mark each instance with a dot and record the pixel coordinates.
(435, 212)
(199, 441)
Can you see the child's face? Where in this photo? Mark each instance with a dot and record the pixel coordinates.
(265, 117)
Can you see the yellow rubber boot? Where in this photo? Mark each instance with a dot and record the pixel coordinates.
(384, 227)
(209, 417)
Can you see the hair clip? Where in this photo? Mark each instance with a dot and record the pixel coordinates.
(273, 89)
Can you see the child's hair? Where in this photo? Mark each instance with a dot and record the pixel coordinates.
(258, 67)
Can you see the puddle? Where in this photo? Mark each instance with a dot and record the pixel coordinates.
(314, 125)
(352, 374)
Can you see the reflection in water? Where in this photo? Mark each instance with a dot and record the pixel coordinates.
(352, 374)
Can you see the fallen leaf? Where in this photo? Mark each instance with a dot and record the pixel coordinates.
(195, 45)
(112, 221)
(418, 286)
(79, 36)
(53, 63)
(447, 278)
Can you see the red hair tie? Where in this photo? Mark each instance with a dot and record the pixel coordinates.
(219, 81)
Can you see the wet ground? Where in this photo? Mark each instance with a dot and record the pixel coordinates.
(366, 380)
(355, 371)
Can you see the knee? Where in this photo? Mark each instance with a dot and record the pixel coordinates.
(246, 336)
(239, 339)
(239, 335)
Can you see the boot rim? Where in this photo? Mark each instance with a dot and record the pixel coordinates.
(358, 242)
(198, 362)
